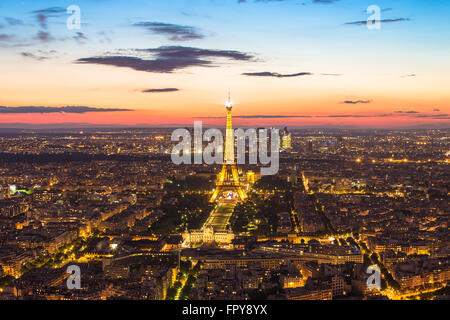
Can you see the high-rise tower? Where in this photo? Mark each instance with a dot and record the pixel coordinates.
(286, 139)
(228, 178)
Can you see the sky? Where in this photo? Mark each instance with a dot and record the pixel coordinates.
(301, 63)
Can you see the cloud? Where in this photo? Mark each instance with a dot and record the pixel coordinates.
(43, 14)
(383, 115)
(40, 55)
(409, 75)
(50, 11)
(436, 110)
(44, 36)
(331, 74)
(269, 117)
(433, 116)
(168, 59)
(298, 116)
(179, 52)
(6, 37)
(66, 109)
(356, 116)
(365, 22)
(80, 37)
(42, 18)
(356, 101)
(158, 65)
(104, 37)
(160, 90)
(382, 10)
(407, 112)
(277, 75)
(314, 1)
(243, 1)
(173, 32)
(304, 3)
(32, 56)
(13, 21)
(261, 116)
(325, 1)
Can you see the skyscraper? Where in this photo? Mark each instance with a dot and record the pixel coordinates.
(286, 141)
(309, 146)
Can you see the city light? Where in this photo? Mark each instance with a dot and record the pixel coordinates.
(248, 151)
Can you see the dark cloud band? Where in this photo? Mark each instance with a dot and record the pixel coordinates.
(380, 21)
(66, 109)
(174, 32)
(160, 90)
(276, 75)
(356, 101)
(167, 59)
(386, 115)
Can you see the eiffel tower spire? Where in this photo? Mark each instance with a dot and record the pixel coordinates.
(229, 137)
(229, 104)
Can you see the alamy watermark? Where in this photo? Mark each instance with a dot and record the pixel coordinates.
(374, 280)
(374, 20)
(74, 280)
(213, 153)
(74, 21)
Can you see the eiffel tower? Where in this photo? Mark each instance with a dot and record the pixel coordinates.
(228, 178)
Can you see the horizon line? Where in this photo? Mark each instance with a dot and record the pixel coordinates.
(70, 125)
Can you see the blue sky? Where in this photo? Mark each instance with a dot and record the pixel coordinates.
(266, 25)
(283, 37)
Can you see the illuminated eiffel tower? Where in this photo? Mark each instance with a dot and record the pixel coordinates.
(228, 178)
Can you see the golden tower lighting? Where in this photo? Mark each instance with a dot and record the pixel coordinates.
(228, 178)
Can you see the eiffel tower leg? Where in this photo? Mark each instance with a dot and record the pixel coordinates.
(215, 194)
(222, 176)
(242, 194)
(234, 174)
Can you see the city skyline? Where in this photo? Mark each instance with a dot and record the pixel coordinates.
(295, 63)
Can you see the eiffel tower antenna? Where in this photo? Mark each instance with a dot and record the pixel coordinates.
(229, 104)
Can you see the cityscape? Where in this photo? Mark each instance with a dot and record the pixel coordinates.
(106, 200)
